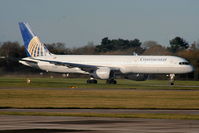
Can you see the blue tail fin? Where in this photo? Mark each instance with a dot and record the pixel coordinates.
(34, 47)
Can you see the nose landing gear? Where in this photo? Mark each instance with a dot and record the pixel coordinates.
(172, 79)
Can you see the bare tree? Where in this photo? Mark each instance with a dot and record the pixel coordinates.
(153, 48)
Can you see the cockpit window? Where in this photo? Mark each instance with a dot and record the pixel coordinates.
(184, 63)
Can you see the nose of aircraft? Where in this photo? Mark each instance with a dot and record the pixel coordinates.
(189, 69)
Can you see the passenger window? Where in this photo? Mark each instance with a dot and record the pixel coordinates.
(184, 63)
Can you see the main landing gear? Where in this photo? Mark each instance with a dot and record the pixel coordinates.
(91, 81)
(111, 81)
(94, 81)
(172, 79)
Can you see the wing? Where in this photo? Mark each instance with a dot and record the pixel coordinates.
(84, 67)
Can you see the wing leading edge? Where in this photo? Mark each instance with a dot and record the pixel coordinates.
(84, 67)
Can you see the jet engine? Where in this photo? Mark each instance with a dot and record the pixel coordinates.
(102, 73)
(136, 77)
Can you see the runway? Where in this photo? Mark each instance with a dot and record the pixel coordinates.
(115, 111)
(48, 124)
(60, 124)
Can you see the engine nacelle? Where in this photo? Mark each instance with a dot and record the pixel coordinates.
(136, 77)
(102, 73)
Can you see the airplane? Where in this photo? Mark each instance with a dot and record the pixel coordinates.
(105, 67)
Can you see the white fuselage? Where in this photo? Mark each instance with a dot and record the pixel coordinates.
(125, 64)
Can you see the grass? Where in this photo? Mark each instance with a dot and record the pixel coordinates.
(51, 93)
(81, 83)
(83, 98)
(54, 93)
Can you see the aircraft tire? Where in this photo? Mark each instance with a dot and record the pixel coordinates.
(91, 81)
(111, 81)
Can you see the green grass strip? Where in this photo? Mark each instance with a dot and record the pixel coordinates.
(124, 99)
(16, 82)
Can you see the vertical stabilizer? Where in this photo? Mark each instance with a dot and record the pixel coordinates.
(34, 47)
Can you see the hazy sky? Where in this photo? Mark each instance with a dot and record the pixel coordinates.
(77, 22)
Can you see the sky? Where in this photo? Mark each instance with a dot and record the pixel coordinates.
(77, 22)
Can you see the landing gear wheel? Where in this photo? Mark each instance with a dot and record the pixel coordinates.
(93, 81)
(111, 81)
(171, 83)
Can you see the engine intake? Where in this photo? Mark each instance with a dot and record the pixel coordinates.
(102, 73)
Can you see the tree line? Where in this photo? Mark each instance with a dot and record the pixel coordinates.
(10, 52)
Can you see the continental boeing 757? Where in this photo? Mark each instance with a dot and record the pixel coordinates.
(106, 67)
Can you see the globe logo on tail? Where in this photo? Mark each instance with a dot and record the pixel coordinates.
(36, 48)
